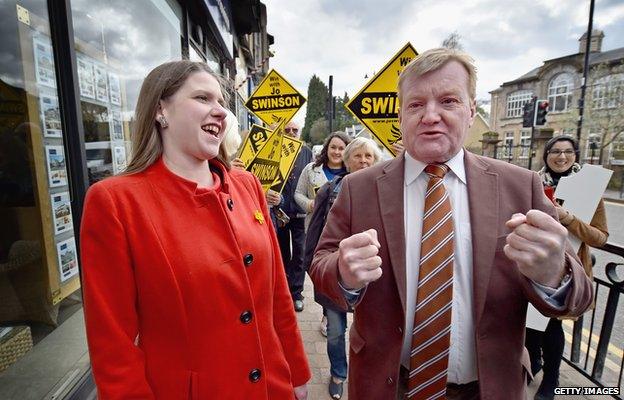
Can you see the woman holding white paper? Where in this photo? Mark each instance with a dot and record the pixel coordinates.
(560, 154)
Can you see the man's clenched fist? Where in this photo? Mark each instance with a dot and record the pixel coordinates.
(537, 244)
(358, 262)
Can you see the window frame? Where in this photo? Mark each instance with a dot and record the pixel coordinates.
(602, 88)
(515, 102)
(525, 143)
(560, 86)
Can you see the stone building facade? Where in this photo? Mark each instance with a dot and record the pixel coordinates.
(559, 81)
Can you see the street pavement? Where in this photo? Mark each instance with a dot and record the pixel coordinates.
(316, 345)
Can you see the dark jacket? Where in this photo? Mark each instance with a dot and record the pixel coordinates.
(289, 206)
(322, 204)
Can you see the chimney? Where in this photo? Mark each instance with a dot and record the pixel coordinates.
(595, 46)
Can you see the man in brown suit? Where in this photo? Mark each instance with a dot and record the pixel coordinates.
(506, 250)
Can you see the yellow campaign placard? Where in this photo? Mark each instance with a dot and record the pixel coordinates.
(265, 166)
(254, 141)
(290, 150)
(275, 100)
(376, 105)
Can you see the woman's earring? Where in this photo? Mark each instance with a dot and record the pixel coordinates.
(163, 121)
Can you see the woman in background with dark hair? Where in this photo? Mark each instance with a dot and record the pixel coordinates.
(559, 157)
(328, 164)
(359, 154)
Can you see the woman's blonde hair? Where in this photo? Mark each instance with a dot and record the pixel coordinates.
(161, 83)
(232, 138)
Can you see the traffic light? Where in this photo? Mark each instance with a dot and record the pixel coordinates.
(528, 113)
(542, 110)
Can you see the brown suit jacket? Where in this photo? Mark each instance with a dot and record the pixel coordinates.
(373, 198)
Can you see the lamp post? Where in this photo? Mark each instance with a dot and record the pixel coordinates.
(581, 103)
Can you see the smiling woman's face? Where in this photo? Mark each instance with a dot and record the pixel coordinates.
(196, 119)
(561, 156)
(334, 152)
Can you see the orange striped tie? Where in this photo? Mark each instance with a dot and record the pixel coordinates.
(434, 296)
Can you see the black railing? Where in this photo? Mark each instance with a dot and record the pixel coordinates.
(517, 154)
(604, 317)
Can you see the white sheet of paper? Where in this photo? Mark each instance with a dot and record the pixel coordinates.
(581, 194)
(535, 320)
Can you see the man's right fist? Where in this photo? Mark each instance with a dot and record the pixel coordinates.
(358, 262)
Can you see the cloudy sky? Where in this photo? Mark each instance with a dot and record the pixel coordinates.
(352, 38)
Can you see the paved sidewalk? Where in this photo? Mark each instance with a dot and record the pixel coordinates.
(316, 349)
(316, 345)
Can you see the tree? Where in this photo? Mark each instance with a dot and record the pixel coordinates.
(484, 114)
(319, 131)
(452, 41)
(343, 117)
(316, 105)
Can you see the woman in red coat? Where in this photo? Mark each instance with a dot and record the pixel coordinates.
(185, 295)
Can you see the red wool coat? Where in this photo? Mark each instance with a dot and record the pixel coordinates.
(184, 290)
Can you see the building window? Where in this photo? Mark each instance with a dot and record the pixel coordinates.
(560, 92)
(608, 92)
(525, 143)
(515, 102)
(508, 145)
(617, 150)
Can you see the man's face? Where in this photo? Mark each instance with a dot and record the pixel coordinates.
(292, 129)
(436, 112)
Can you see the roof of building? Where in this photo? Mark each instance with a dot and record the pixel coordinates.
(609, 56)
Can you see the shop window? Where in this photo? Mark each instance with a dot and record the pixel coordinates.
(38, 259)
(195, 55)
(117, 43)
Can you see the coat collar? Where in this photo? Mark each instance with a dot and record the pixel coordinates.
(163, 179)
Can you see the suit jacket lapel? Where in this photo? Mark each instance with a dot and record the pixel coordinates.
(484, 208)
(390, 186)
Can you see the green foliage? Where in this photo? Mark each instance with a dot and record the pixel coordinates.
(484, 114)
(343, 117)
(316, 105)
(319, 131)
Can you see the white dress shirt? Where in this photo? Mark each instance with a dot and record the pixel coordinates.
(462, 356)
